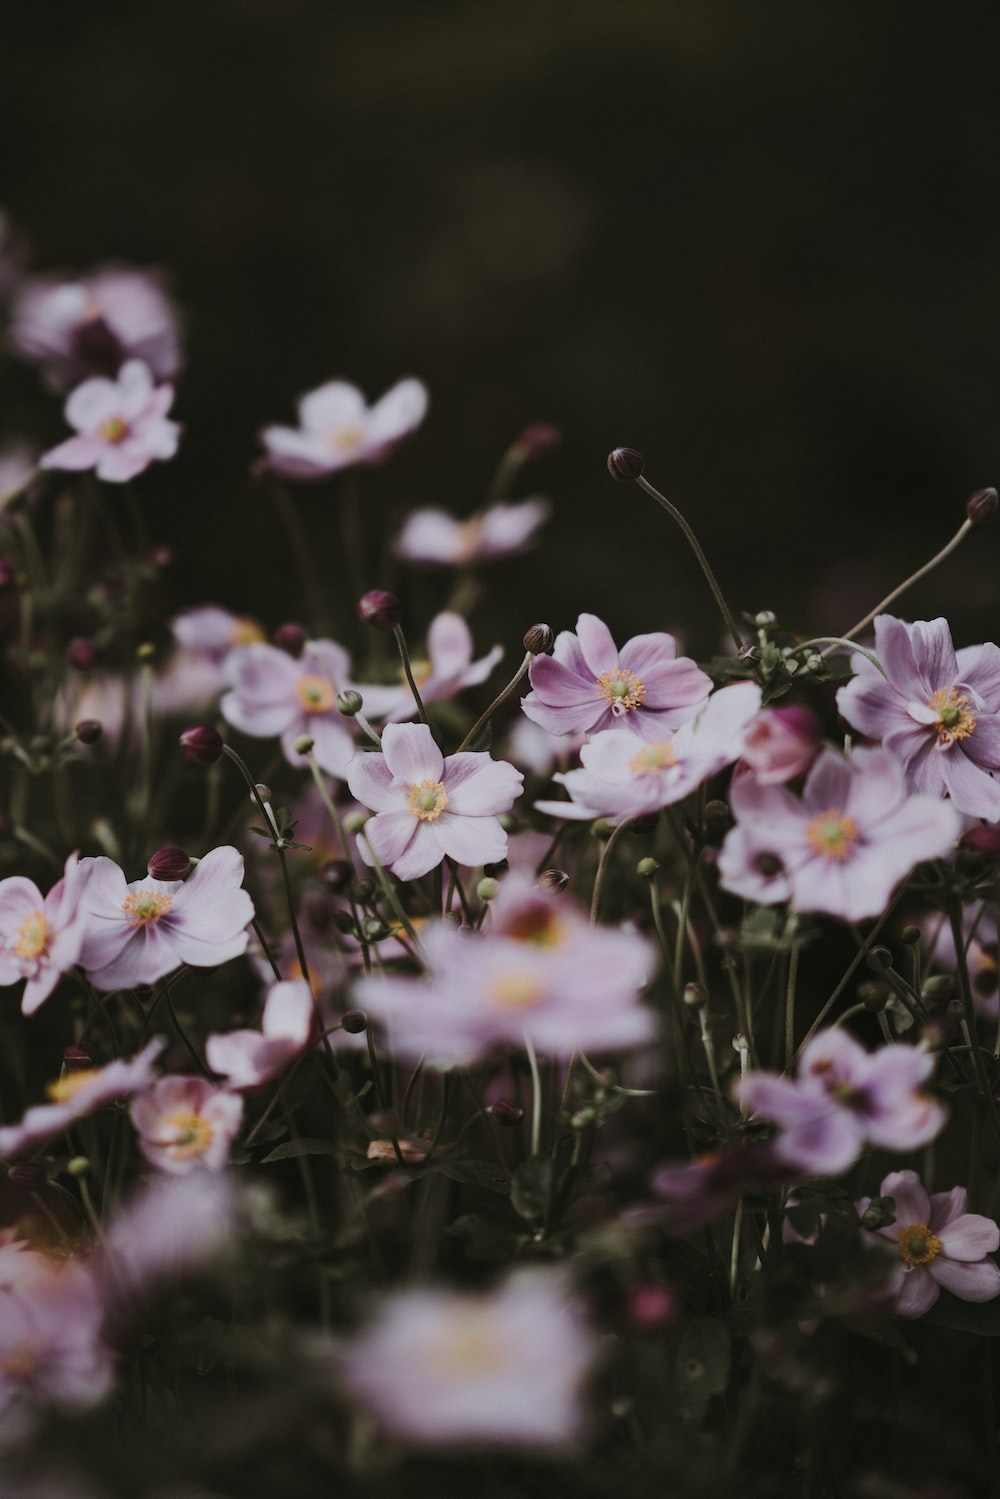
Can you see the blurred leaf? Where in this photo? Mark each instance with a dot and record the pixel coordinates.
(474, 1173)
(531, 1188)
(296, 1148)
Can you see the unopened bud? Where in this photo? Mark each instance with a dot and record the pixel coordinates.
(379, 609)
(77, 1058)
(955, 1007)
(355, 821)
(538, 639)
(355, 1022)
(873, 996)
(202, 745)
(506, 1112)
(538, 440)
(349, 703)
(910, 935)
(717, 821)
(264, 792)
(88, 730)
(488, 889)
(936, 988)
(555, 880)
(625, 464)
(981, 506)
(291, 638)
(303, 744)
(82, 653)
(336, 874)
(603, 828)
(879, 959)
(880, 1212)
(146, 651)
(78, 1166)
(696, 997)
(985, 841)
(169, 863)
(765, 619)
(641, 827)
(647, 868)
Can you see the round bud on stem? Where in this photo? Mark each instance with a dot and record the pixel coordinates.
(354, 1022)
(379, 609)
(695, 996)
(538, 640)
(626, 464)
(555, 880)
(937, 988)
(291, 638)
(202, 745)
(488, 889)
(910, 935)
(82, 653)
(88, 730)
(879, 959)
(981, 506)
(264, 792)
(303, 744)
(647, 868)
(349, 703)
(874, 996)
(506, 1112)
(146, 651)
(538, 440)
(169, 863)
(355, 821)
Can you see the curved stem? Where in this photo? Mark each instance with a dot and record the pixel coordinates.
(921, 572)
(500, 698)
(703, 563)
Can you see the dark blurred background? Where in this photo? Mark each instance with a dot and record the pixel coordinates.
(758, 242)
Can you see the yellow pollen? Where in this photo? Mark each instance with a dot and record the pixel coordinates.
(196, 1135)
(536, 925)
(21, 1361)
(516, 991)
(427, 800)
(315, 693)
(833, 835)
(955, 719)
(653, 758)
(468, 534)
(917, 1245)
(421, 671)
(474, 1346)
(32, 936)
(623, 690)
(145, 907)
(246, 632)
(69, 1085)
(347, 437)
(113, 430)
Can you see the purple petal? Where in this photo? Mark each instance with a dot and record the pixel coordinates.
(411, 754)
(369, 780)
(918, 1293)
(980, 1282)
(597, 644)
(969, 1238)
(470, 840)
(912, 1202)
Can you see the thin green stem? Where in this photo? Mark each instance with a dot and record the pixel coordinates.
(404, 656)
(497, 702)
(703, 563)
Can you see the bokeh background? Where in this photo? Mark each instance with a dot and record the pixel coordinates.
(758, 242)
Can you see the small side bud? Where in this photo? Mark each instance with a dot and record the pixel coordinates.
(488, 889)
(88, 730)
(538, 440)
(625, 464)
(355, 821)
(264, 792)
(981, 506)
(303, 744)
(291, 638)
(879, 959)
(602, 829)
(336, 875)
(82, 653)
(506, 1112)
(169, 863)
(379, 609)
(880, 1213)
(349, 703)
(696, 997)
(647, 868)
(78, 1166)
(538, 640)
(873, 996)
(937, 988)
(354, 1022)
(146, 651)
(981, 840)
(77, 1058)
(555, 880)
(202, 745)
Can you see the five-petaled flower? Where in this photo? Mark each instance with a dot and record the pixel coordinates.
(337, 429)
(40, 937)
(122, 426)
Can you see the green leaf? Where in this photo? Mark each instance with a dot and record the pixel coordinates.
(302, 1147)
(474, 1173)
(532, 1187)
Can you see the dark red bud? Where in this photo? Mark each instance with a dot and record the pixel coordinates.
(555, 880)
(169, 863)
(379, 609)
(202, 745)
(626, 464)
(83, 653)
(981, 506)
(337, 874)
(355, 1022)
(506, 1112)
(88, 730)
(538, 440)
(77, 1058)
(982, 840)
(538, 639)
(291, 638)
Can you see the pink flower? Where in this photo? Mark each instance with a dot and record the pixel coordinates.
(248, 1059)
(184, 1123)
(171, 1226)
(274, 693)
(587, 684)
(782, 743)
(938, 713)
(40, 938)
(435, 538)
(840, 848)
(447, 671)
(438, 1368)
(937, 1243)
(843, 1099)
(138, 933)
(75, 329)
(623, 777)
(428, 807)
(122, 426)
(18, 466)
(76, 1095)
(337, 429)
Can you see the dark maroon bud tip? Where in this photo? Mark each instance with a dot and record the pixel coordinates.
(538, 640)
(879, 959)
(538, 440)
(291, 638)
(8, 573)
(29, 1175)
(88, 730)
(555, 880)
(355, 1022)
(82, 653)
(77, 1058)
(379, 609)
(169, 863)
(982, 840)
(981, 506)
(506, 1112)
(162, 556)
(626, 464)
(202, 745)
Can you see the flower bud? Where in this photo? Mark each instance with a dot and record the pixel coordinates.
(78, 1166)
(651, 1307)
(695, 996)
(291, 638)
(354, 1022)
(349, 703)
(82, 653)
(647, 868)
(880, 1213)
(303, 744)
(937, 987)
(202, 745)
(355, 821)
(879, 959)
(488, 889)
(379, 609)
(555, 880)
(981, 506)
(538, 640)
(264, 792)
(506, 1112)
(77, 1058)
(643, 826)
(27, 1174)
(360, 891)
(874, 996)
(985, 841)
(88, 730)
(169, 863)
(538, 440)
(625, 464)
(336, 875)
(782, 743)
(146, 651)
(910, 935)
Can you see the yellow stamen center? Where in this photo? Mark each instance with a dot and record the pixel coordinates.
(69, 1085)
(917, 1245)
(653, 758)
(21, 1361)
(315, 693)
(516, 991)
(347, 437)
(427, 800)
(32, 936)
(145, 907)
(833, 835)
(623, 690)
(474, 1345)
(113, 430)
(469, 534)
(246, 632)
(537, 926)
(195, 1134)
(955, 719)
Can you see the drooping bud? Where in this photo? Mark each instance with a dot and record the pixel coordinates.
(625, 464)
(981, 506)
(202, 745)
(291, 638)
(538, 640)
(303, 744)
(355, 1022)
(538, 440)
(555, 880)
(879, 959)
(82, 653)
(349, 703)
(506, 1112)
(379, 609)
(169, 863)
(88, 730)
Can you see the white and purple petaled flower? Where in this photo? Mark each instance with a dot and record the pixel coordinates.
(782, 743)
(587, 684)
(433, 538)
(843, 846)
(249, 1059)
(76, 1095)
(844, 1098)
(437, 1368)
(337, 429)
(938, 713)
(138, 933)
(429, 807)
(937, 1243)
(40, 937)
(449, 668)
(622, 777)
(122, 426)
(184, 1123)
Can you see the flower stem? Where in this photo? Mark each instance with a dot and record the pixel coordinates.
(921, 572)
(500, 698)
(703, 563)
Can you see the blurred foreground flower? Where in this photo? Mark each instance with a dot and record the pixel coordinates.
(337, 429)
(185, 1123)
(437, 539)
(122, 426)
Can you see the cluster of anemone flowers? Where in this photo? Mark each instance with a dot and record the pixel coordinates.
(428, 1056)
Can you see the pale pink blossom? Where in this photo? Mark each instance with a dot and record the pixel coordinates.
(937, 1244)
(122, 426)
(40, 937)
(186, 1124)
(272, 693)
(18, 466)
(438, 1368)
(434, 538)
(137, 933)
(337, 429)
(249, 1059)
(194, 675)
(173, 1225)
(588, 684)
(429, 807)
(77, 1095)
(782, 743)
(447, 670)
